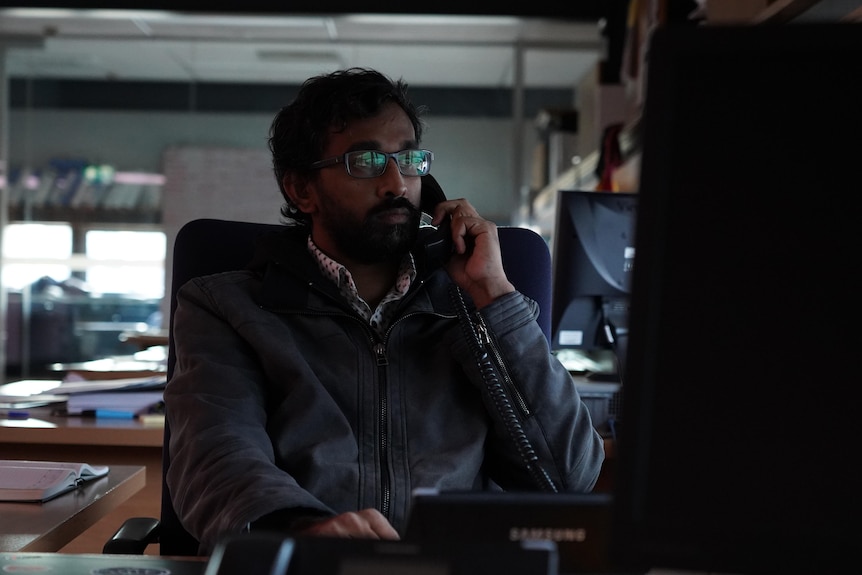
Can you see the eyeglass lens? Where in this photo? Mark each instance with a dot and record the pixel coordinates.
(371, 163)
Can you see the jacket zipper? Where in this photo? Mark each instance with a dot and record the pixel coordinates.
(383, 414)
(383, 438)
(379, 350)
(490, 346)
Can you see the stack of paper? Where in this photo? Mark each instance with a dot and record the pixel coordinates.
(130, 395)
(120, 403)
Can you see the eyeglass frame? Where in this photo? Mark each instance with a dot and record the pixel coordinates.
(342, 159)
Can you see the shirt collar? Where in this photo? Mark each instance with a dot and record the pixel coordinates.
(340, 275)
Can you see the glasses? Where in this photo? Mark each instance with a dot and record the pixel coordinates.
(372, 163)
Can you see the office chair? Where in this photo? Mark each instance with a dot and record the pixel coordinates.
(207, 246)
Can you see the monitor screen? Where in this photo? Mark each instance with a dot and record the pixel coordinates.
(593, 258)
(742, 426)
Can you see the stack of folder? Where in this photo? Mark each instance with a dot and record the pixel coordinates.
(119, 398)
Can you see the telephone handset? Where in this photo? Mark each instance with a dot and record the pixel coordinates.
(436, 242)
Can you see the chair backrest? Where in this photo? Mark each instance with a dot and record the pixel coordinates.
(207, 246)
(527, 261)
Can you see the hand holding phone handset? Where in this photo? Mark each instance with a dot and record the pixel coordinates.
(461, 232)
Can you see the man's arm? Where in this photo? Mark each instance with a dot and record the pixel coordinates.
(553, 418)
(557, 422)
(222, 474)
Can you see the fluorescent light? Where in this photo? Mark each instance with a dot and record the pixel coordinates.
(166, 17)
(82, 13)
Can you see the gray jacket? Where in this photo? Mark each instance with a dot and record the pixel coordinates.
(285, 404)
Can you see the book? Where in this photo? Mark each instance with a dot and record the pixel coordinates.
(37, 481)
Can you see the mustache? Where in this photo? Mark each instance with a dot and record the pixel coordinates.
(401, 203)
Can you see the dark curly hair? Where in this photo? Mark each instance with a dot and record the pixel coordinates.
(300, 131)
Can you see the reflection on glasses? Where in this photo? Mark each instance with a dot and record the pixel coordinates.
(372, 163)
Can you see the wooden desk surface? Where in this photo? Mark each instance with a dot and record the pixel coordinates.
(100, 441)
(50, 525)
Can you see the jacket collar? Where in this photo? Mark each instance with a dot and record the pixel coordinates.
(291, 279)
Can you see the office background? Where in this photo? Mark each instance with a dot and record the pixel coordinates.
(170, 97)
(153, 93)
(470, 131)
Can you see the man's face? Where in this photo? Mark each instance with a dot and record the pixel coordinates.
(367, 220)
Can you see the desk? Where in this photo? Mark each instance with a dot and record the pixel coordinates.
(104, 442)
(126, 442)
(50, 525)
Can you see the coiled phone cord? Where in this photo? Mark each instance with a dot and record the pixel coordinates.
(498, 393)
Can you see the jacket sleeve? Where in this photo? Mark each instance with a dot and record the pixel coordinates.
(540, 395)
(222, 474)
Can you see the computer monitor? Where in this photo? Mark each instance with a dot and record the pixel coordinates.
(740, 449)
(592, 258)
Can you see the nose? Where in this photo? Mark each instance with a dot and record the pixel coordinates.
(391, 180)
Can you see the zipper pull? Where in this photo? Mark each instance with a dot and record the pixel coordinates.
(484, 336)
(380, 352)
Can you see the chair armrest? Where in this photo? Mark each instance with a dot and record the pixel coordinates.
(133, 536)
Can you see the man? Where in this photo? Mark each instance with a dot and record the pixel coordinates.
(316, 389)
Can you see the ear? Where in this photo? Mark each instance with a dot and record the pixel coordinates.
(300, 192)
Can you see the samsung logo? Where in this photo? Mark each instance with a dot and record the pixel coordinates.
(557, 534)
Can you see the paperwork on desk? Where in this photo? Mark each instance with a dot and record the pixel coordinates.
(33, 392)
(117, 403)
(36, 481)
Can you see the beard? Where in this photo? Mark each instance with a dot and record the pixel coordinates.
(371, 240)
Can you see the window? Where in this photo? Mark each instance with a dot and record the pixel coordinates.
(36, 250)
(126, 262)
(115, 261)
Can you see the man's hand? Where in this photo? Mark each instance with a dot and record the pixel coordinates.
(476, 266)
(364, 524)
